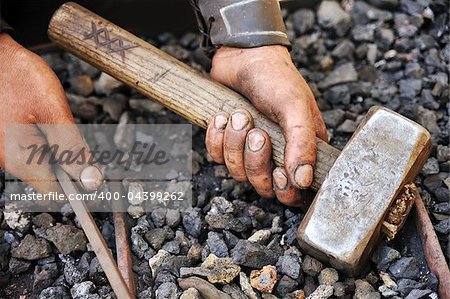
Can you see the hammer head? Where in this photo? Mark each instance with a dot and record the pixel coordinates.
(343, 224)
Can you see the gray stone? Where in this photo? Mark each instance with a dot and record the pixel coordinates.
(253, 255)
(384, 256)
(190, 293)
(193, 222)
(286, 285)
(57, 292)
(74, 274)
(410, 88)
(31, 249)
(167, 290)
(348, 126)
(322, 292)
(303, 21)
(365, 291)
(67, 238)
(217, 245)
(362, 13)
(333, 118)
(17, 220)
(406, 267)
(443, 153)
(404, 286)
(338, 95)
(289, 264)
(246, 287)
(384, 3)
(330, 15)
(138, 245)
(260, 236)
(385, 38)
(173, 218)
(156, 237)
(115, 105)
(44, 276)
(434, 181)
(311, 266)
(158, 217)
(443, 227)
(362, 33)
(17, 266)
(431, 166)
(83, 290)
(328, 276)
(344, 73)
(106, 84)
(428, 119)
(344, 50)
(417, 294)
(172, 247)
(43, 220)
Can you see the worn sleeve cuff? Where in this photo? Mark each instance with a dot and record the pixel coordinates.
(240, 23)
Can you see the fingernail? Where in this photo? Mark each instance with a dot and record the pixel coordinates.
(220, 121)
(239, 120)
(303, 175)
(91, 178)
(280, 179)
(256, 141)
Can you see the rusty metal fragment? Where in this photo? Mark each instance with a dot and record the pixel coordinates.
(399, 211)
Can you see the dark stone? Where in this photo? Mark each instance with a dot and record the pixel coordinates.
(384, 256)
(43, 220)
(286, 285)
(156, 237)
(172, 247)
(406, 267)
(344, 50)
(342, 74)
(338, 95)
(410, 88)
(31, 248)
(443, 227)
(362, 33)
(96, 273)
(333, 118)
(44, 276)
(193, 222)
(217, 245)
(330, 15)
(303, 21)
(17, 266)
(167, 290)
(67, 238)
(58, 292)
(289, 264)
(4, 256)
(253, 255)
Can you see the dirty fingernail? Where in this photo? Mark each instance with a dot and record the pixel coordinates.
(91, 178)
(220, 121)
(303, 175)
(256, 141)
(239, 120)
(280, 179)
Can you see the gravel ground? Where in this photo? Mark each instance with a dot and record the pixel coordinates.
(231, 243)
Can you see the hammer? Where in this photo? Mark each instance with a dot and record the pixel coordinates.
(356, 188)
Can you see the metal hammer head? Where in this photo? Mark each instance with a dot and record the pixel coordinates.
(342, 226)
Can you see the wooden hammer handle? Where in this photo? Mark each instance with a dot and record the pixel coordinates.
(161, 77)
